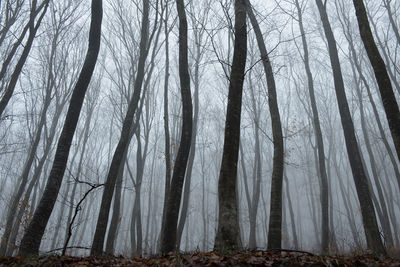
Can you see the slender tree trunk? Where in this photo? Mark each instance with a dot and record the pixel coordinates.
(324, 194)
(35, 178)
(275, 222)
(374, 241)
(188, 178)
(382, 77)
(31, 240)
(168, 242)
(167, 141)
(291, 212)
(382, 203)
(102, 221)
(228, 233)
(386, 4)
(33, 28)
(28, 164)
(257, 170)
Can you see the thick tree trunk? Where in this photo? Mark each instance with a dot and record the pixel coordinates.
(228, 234)
(374, 241)
(31, 240)
(168, 241)
(382, 77)
(275, 222)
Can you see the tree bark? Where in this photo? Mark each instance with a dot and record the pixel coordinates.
(374, 241)
(168, 242)
(382, 77)
(31, 240)
(275, 222)
(228, 234)
(102, 221)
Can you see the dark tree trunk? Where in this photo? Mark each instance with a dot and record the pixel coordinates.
(374, 241)
(35, 177)
(31, 240)
(168, 242)
(167, 142)
(228, 234)
(381, 74)
(188, 178)
(275, 222)
(31, 155)
(102, 221)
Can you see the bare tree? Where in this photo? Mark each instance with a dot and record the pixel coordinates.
(228, 234)
(324, 194)
(33, 28)
(124, 140)
(275, 221)
(168, 242)
(31, 240)
(381, 74)
(360, 179)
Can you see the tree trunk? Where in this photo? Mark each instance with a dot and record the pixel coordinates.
(186, 193)
(167, 142)
(374, 241)
(31, 240)
(384, 219)
(168, 242)
(275, 222)
(382, 77)
(33, 28)
(102, 221)
(228, 234)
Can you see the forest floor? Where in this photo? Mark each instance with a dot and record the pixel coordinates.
(248, 258)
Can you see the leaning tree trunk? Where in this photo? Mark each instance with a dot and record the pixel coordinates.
(168, 242)
(228, 234)
(324, 194)
(102, 221)
(382, 77)
(275, 222)
(30, 242)
(373, 237)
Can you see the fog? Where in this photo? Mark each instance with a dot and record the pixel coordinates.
(32, 122)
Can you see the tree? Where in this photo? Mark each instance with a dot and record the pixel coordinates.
(382, 77)
(275, 221)
(31, 240)
(374, 241)
(196, 73)
(324, 194)
(228, 235)
(168, 242)
(124, 140)
(33, 28)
